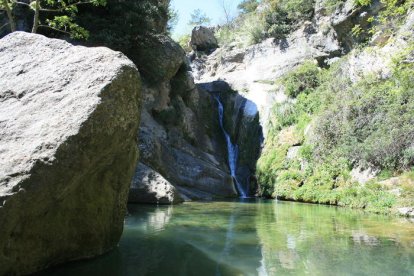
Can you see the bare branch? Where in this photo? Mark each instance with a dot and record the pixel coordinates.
(5, 25)
(22, 3)
(9, 15)
(55, 29)
(36, 17)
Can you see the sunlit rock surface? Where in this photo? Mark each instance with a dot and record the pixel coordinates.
(68, 122)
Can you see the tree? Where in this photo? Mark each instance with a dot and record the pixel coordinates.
(173, 18)
(226, 6)
(59, 15)
(6, 5)
(199, 18)
(247, 6)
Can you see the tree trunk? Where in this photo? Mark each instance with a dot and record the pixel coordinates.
(36, 17)
(9, 15)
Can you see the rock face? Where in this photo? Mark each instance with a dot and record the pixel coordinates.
(148, 186)
(203, 39)
(241, 121)
(180, 139)
(254, 70)
(68, 122)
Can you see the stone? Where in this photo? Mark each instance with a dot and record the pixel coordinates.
(362, 176)
(293, 152)
(68, 122)
(148, 186)
(181, 140)
(406, 211)
(158, 58)
(203, 39)
(241, 122)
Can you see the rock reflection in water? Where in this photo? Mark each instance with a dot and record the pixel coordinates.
(255, 238)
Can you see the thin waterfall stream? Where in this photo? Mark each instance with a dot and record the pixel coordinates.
(232, 150)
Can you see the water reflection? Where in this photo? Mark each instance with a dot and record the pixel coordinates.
(155, 221)
(255, 238)
(322, 240)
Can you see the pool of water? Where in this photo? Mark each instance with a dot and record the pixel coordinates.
(255, 237)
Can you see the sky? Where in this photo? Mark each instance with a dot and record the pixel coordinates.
(212, 8)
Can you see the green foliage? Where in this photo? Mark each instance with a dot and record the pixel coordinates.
(363, 2)
(389, 18)
(247, 6)
(298, 10)
(357, 30)
(65, 19)
(284, 15)
(58, 16)
(173, 18)
(277, 20)
(302, 80)
(278, 25)
(368, 123)
(184, 42)
(198, 17)
(332, 5)
(121, 25)
(246, 30)
(371, 121)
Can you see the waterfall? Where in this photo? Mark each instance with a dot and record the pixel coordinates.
(232, 150)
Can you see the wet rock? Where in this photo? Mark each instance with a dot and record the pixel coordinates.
(68, 122)
(241, 122)
(180, 139)
(148, 186)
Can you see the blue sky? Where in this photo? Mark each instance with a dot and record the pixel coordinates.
(211, 7)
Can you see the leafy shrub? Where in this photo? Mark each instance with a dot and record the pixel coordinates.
(367, 123)
(371, 121)
(184, 42)
(247, 6)
(246, 30)
(304, 79)
(332, 5)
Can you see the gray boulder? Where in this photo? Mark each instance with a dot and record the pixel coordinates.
(203, 39)
(158, 57)
(148, 186)
(68, 122)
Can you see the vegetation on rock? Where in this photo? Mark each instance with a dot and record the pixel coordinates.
(339, 126)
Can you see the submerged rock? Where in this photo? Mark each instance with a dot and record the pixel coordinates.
(68, 122)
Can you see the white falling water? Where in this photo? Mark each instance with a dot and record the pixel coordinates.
(232, 150)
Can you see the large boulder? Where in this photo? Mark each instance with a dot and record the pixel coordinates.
(183, 143)
(69, 117)
(148, 186)
(203, 39)
(158, 57)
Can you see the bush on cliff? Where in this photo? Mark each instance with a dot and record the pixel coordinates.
(366, 124)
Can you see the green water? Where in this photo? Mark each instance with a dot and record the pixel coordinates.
(255, 238)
